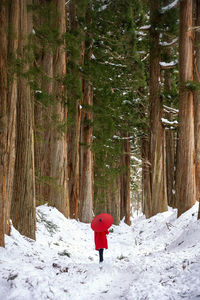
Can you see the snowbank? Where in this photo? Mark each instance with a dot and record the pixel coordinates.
(157, 258)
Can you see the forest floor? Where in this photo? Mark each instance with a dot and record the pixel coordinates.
(158, 258)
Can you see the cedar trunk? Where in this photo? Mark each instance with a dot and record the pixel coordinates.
(115, 199)
(43, 122)
(157, 155)
(185, 173)
(11, 107)
(86, 157)
(125, 180)
(43, 126)
(3, 116)
(74, 129)
(23, 206)
(58, 145)
(146, 183)
(170, 149)
(197, 101)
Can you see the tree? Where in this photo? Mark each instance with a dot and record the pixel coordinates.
(157, 137)
(58, 141)
(3, 116)
(125, 179)
(197, 98)
(185, 172)
(23, 205)
(75, 60)
(13, 27)
(45, 42)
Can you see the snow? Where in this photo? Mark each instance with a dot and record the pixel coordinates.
(170, 6)
(168, 64)
(156, 258)
(175, 40)
(165, 121)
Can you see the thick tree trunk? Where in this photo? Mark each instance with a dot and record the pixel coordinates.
(11, 107)
(43, 111)
(185, 173)
(58, 169)
(100, 203)
(23, 205)
(86, 157)
(3, 117)
(73, 163)
(170, 155)
(43, 124)
(158, 187)
(115, 199)
(170, 150)
(197, 100)
(146, 182)
(125, 180)
(74, 129)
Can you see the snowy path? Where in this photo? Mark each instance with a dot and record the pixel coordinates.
(157, 258)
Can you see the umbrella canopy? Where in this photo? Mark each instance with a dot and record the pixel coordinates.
(101, 222)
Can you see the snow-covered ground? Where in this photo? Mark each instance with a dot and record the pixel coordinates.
(158, 258)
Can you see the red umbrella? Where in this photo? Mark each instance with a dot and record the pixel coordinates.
(101, 222)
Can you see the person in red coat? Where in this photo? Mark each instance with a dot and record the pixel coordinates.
(101, 243)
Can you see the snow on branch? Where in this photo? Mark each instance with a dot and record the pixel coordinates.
(169, 65)
(170, 6)
(170, 109)
(168, 44)
(168, 123)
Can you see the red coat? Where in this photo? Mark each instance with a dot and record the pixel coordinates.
(101, 240)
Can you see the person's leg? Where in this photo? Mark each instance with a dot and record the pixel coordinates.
(100, 255)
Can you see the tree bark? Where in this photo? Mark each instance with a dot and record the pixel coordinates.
(146, 183)
(43, 111)
(185, 173)
(58, 169)
(74, 129)
(158, 187)
(23, 206)
(115, 199)
(170, 150)
(11, 107)
(3, 117)
(125, 180)
(86, 157)
(197, 100)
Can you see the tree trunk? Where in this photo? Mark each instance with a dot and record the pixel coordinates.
(86, 157)
(100, 203)
(43, 111)
(43, 125)
(115, 198)
(158, 187)
(58, 170)
(170, 150)
(185, 173)
(146, 183)
(74, 129)
(125, 180)
(73, 163)
(23, 205)
(197, 100)
(3, 117)
(11, 107)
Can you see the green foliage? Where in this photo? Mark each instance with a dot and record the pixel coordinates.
(64, 253)
(45, 18)
(192, 85)
(116, 73)
(50, 226)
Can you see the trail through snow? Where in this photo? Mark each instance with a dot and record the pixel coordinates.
(158, 258)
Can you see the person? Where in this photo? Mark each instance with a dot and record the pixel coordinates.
(101, 243)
